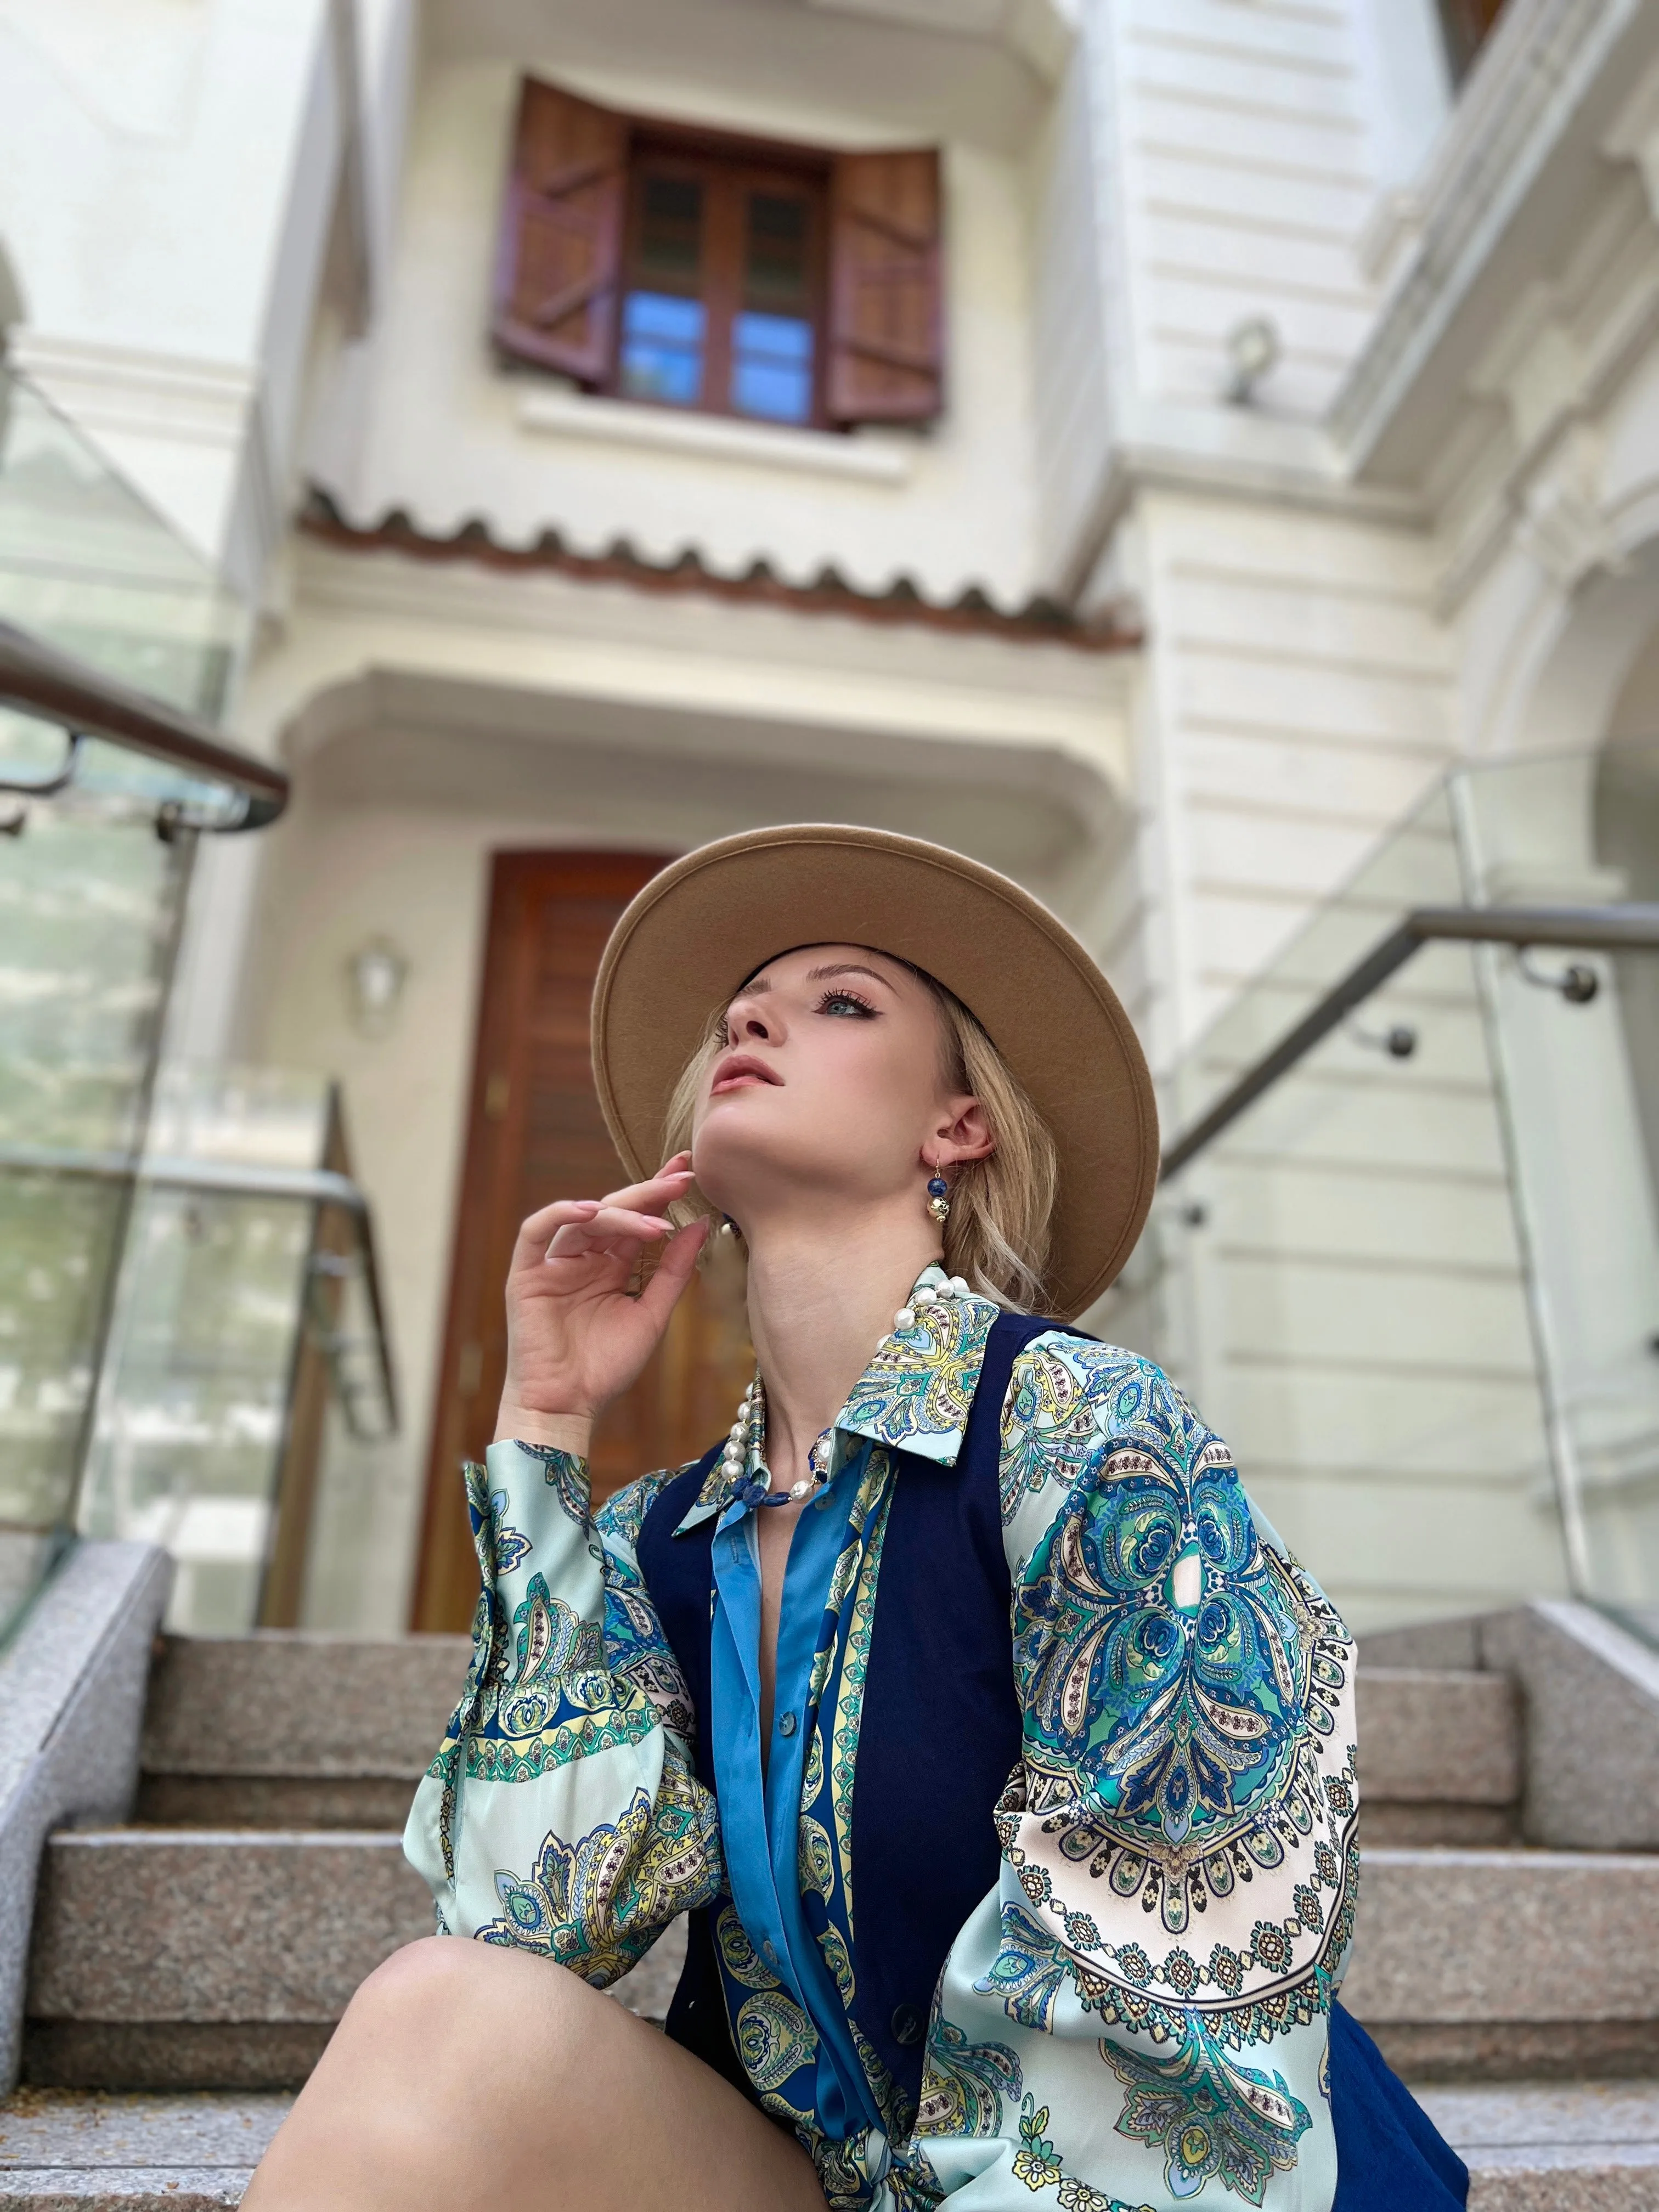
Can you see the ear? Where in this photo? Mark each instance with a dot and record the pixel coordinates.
(962, 1132)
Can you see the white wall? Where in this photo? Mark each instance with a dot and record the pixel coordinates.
(170, 174)
(1302, 691)
(1246, 167)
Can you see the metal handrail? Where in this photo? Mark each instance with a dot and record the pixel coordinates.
(231, 1178)
(1569, 928)
(59, 687)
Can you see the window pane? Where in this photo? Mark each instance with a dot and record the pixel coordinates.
(661, 316)
(662, 347)
(772, 366)
(774, 253)
(778, 338)
(671, 231)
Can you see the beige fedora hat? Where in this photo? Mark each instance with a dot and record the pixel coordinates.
(710, 920)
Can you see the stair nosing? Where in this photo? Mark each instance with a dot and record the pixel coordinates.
(176, 1837)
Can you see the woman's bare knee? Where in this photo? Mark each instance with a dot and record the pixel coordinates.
(398, 2092)
(461, 2073)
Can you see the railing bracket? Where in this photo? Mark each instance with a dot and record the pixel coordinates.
(1400, 1042)
(1576, 983)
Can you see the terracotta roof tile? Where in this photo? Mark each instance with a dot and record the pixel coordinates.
(1040, 619)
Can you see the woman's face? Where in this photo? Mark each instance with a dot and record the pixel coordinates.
(828, 1078)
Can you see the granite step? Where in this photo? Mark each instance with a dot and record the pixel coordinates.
(291, 1730)
(1440, 1756)
(1509, 1965)
(185, 1959)
(284, 1729)
(201, 1959)
(176, 1957)
(92, 2150)
(1583, 2148)
(1554, 2147)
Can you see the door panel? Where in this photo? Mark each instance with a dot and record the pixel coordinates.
(535, 1132)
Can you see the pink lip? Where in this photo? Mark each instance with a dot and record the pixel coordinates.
(738, 1068)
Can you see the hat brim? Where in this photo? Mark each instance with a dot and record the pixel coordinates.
(706, 923)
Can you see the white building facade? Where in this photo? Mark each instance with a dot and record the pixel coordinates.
(1281, 428)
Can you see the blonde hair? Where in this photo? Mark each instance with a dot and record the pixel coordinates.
(996, 1236)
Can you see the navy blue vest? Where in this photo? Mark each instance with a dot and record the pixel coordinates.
(940, 1737)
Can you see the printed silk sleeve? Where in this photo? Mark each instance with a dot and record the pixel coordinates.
(1138, 2015)
(561, 1814)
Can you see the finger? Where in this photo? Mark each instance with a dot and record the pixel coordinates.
(536, 1230)
(660, 1189)
(674, 1270)
(605, 1227)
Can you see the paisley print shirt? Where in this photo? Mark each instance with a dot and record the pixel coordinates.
(1136, 2014)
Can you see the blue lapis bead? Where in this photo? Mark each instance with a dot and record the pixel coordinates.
(939, 1187)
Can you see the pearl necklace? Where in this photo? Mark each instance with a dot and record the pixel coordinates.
(745, 1440)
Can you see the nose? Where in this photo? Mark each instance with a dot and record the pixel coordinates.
(746, 1020)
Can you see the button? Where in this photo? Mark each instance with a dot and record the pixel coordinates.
(786, 1725)
(769, 1954)
(821, 1503)
(908, 2026)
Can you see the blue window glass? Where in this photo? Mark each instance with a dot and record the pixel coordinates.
(772, 366)
(662, 347)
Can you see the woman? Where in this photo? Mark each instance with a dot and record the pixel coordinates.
(1001, 1756)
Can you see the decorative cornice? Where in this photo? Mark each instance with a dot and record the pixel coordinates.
(1041, 31)
(1534, 75)
(1041, 621)
(137, 391)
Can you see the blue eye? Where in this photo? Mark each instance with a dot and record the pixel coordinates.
(841, 1003)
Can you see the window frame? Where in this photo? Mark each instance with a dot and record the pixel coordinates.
(728, 168)
(1465, 27)
(878, 274)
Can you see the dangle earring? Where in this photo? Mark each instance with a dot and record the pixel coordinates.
(939, 1197)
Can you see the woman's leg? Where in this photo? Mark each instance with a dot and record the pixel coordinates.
(466, 2076)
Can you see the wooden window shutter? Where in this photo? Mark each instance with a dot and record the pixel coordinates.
(886, 309)
(560, 264)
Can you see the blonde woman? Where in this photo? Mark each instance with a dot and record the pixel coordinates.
(999, 1753)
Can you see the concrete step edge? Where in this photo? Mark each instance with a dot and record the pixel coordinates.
(119, 2189)
(290, 1770)
(129, 1837)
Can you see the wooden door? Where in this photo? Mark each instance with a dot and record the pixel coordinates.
(535, 1132)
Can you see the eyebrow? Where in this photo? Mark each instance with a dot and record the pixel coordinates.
(759, 983)
(847, 968)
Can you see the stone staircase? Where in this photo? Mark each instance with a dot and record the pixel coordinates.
(187, 1966)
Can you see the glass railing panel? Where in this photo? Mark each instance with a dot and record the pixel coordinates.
(91, 901)
(191, 1423)
(1579, 1069)
(88, 564)
(1357, 1319)
(1418, 866)
(1422, 1293)
(1342, 1276)
(246, 1367)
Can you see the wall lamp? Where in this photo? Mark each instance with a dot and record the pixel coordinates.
(1254, 349)
(376, 973)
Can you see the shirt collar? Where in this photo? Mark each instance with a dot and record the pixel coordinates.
(916, 1392)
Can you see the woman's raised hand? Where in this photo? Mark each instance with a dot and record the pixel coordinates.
(575, 1339)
